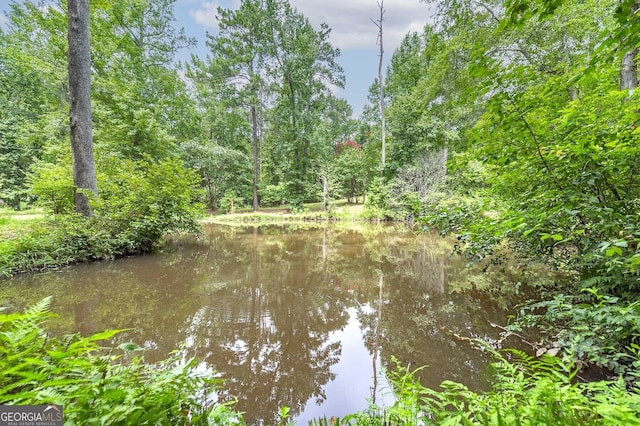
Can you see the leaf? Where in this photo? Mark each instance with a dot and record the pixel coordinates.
(613, 251)
(105, 335)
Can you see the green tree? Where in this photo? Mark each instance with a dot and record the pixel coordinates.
(304, 63)
(223, 170)
(142, 105)
(238, 66)
(349, 170)
(33, 93)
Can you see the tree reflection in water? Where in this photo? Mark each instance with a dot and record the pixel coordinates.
(287, 314)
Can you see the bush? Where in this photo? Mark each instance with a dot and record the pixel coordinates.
(96, 385)
(53, 187)
(377, 204)
(138, 203)
(141, 201)
(230, 202)
(272, 195)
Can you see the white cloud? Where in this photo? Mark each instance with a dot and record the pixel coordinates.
(350, 20)
(205, 15)
(3, 20)
(206, 12)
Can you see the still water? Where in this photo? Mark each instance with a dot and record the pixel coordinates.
(302, 316)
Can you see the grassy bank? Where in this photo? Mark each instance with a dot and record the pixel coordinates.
(340, 211)
(35, 240)
(137, 205)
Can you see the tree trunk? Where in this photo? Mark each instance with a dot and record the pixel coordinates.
(325, 193)
(629, 71)
(629, 65)
(254, 123)
(84, 173)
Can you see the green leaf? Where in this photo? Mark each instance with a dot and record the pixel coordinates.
(105, 335)
(613, 251)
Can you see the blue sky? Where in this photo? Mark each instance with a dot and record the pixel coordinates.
(352, 32)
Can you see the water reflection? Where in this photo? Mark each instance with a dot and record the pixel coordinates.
(297, 316)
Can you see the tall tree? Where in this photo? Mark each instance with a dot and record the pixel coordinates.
(34, 114)
(305, 64)
(269, 60)
(84, 173)
(239, 60)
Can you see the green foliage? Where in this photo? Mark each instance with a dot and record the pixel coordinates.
(377, 204)
(138, 203)
(272, 195)
(53, 187)
(267, 81)
(141, 105)
(98, 385)
(230, 202)
(141, 201)
(530, 391)
(221, 169)
(468, 175)
(591, 329)
(349, 170)
(546, 151)
(579, 188)
(296, 203)
(451, 213)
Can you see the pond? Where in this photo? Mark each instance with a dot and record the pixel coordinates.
(302, 316)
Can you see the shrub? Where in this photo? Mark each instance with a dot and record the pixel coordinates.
(141, 201)
(377, 204)
(593, 329)
(452, 212)
(272, 195)
(53, 187)
(230, 202)
(138, 203)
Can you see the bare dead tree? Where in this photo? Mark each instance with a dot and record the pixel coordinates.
(378, 23)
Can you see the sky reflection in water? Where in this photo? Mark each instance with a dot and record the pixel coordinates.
(289, 315)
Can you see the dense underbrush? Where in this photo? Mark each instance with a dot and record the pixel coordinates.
(99, 385)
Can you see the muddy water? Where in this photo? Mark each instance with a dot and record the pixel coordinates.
(299, 316)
